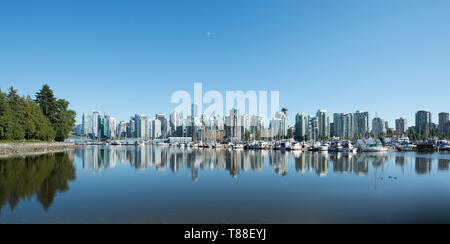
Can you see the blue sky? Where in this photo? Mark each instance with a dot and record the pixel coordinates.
(127, 57)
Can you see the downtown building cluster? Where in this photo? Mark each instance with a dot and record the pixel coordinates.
(238, 127)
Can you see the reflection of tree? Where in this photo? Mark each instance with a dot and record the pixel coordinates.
(44, 175)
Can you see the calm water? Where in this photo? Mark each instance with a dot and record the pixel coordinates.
(150, 184)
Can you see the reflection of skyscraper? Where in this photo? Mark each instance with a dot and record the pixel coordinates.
(401, 160)
(443, 164)
(423, 165)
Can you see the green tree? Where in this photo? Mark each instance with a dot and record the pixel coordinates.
(57, 112)
(6, 118)
(18, 112)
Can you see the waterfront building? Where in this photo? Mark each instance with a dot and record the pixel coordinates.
(312, 132)
(286, 121)
(96, 117)
(323, 120)
(233, 125)
(132, 126)
(361, 124)
(443, 121)
(401, 125)
(141, 125)
(156, 127)
(123, 128)
(164, 124)
(282, 124)
(378, 127)
(256, 123)
(275, 128)
(111, 126)
(87, 124)
(344, 125)
(423, 121)
(301, 124)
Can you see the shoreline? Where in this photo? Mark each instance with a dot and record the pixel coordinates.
(8, 150)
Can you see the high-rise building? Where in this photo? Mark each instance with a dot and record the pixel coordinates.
(123, 129)
(275, 128)
(156, 128)
(344, 125)
(301, 123)
(233, 125)
(313, 128)
(283, 124)
(194, 111)
(378, 127)
(443, 120)
(87, 124)
(164, 124)
(362, 124)
(401, 125)
(323, 120)
(141, 124)
(96, 117)
(286, 121)
(256, 123)
(423, 121)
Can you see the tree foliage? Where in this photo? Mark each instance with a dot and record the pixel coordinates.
(45, 119)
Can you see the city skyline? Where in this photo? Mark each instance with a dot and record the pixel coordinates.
(236, 126)
(128, 59)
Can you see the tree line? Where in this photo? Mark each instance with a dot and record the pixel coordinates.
(45, 118)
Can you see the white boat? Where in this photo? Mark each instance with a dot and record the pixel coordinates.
(238, 146)
(321, 148)
(295, 147)
(374, 148)
(348, 147)
(116, 143)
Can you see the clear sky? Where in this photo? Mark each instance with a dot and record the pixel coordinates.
(126, 57)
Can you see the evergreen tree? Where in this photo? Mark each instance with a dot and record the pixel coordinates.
(57, 112)
(5, 118)
(17, 107)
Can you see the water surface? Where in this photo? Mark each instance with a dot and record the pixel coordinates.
(151, 184)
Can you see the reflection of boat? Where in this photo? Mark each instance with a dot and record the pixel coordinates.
(238, 146)
(405, 147)
(116, 143)
(373, 148)
(139, 143)
(321, 148)
(294, 147)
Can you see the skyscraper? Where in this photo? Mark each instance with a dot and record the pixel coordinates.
(141, 124)
(87, 124)
(301, 124)
(443, 121)
(362, 124)
(256, 123)
(423, 121)
(401, 125)
(283, 123)
(164, 124)
(323, 120)
(344, 125)
(378, 127)
(233, 124)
